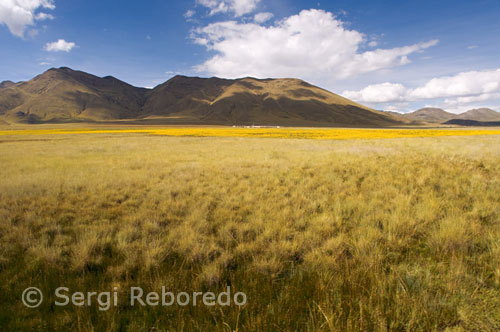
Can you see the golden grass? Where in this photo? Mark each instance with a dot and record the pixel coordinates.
(321, 134)
(350, 235)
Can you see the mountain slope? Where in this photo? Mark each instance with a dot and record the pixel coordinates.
(6, 84)
(65, 95)
(428, 114)
(479, 114)
(437, 115)
(255, 101)
(60, 95)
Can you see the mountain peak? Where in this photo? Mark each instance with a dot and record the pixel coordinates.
(430, 114)
(438, 115)
(64, 94)
(6, 84)
(56, 72)
(480, 114)
(60, 69)
(431, 110)
(482, 109)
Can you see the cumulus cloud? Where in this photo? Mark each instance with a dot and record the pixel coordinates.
(463, 84)
(472, 99)
(311, 45)
(461, 89)
(59, 46)
(18, 14)
(378, 93)
(262, 17)
(237, 7)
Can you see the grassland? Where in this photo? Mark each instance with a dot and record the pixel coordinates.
(322, 235)
(321, 134)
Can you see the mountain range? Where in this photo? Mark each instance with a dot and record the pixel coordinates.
(62, 95)
(65, 95)
(438, 115)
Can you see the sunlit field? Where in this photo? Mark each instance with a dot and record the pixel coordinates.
(324, 234)
(326, 134)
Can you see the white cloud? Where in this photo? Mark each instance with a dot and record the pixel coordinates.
(473, 99)
(190, 13)
(462, 84)
(312, 45)
(378, 93)
(459, 90)
(18, 14)
(237, 7)
(462, 104)
(397, 107)
(43, 17)
(262, 17)
(59, 46)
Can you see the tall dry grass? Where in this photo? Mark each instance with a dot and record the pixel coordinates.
(389, 235)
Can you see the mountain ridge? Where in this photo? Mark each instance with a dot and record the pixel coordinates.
(480, 114)
(429, 114)
(438, 115)
(65, 95)
(6, 84)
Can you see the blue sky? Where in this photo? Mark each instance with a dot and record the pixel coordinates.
(393, 55)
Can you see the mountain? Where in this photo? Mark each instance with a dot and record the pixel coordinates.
(257, 101)
(6, 84)
(65, 95)
(437, 115)
(480, 114)
(428, 114)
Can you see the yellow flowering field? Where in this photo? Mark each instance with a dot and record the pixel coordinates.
(326, 134)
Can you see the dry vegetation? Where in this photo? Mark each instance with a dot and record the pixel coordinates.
(361, 235)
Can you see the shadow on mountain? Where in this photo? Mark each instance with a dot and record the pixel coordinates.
(472, 123)
(65, 95)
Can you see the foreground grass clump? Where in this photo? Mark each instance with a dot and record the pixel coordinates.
(365, 235)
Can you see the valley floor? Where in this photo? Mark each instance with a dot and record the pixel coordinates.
(365, 234)
(255, 132)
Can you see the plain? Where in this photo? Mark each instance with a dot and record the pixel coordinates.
(398, 234)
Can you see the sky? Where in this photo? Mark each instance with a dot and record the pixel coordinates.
(392, 55)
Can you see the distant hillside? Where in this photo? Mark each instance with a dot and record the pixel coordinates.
(401, 118)
(433, 115)
(6, 84)
(65, 95)
(480, 114)
(437, 115)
